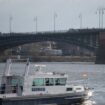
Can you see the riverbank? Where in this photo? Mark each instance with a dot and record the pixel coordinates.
(52, 58)
(64, 59)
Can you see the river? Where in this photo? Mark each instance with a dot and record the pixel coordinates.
(94, 76)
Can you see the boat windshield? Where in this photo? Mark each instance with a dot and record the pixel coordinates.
(48, 81)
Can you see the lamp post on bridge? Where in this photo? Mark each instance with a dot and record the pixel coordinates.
(10, 29)
(80, 17)
(55, 16)
(100, 11)
(35, 21)
(102, 15)
(10, 23)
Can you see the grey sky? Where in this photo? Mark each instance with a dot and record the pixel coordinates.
(24, 11)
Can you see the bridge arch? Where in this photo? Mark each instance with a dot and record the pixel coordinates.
(16, 39)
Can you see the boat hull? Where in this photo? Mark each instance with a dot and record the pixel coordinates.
(41, 100)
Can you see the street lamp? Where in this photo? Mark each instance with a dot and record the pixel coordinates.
(35, 20)
(100, 11)
(10, 23)
(55, 16)
(102, 16)
(80, 17)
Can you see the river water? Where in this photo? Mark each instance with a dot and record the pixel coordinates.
(94, 76)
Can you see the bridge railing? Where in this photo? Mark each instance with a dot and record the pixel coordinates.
(57, 31)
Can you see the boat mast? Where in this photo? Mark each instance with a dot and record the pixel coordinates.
(27, 68)
(8, 68)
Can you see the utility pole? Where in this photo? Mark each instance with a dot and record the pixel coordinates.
(80, 17)
(100, 11)
(36, 24)
(55, 16)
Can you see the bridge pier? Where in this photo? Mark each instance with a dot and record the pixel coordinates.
(100, 54)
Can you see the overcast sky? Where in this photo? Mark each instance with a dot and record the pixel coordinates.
(24, 11)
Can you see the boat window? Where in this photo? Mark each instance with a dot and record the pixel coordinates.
(57, 81)
(49, 81)
(16, 82)
(2, 89)
(78, 88)
(60, 81)
(38, 89)
(38, 82)
(69, 89)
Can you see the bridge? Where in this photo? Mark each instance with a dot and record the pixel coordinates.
(91, 39)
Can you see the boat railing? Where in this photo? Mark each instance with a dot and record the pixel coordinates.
(80, 82)
(56, 73)
(39, 67)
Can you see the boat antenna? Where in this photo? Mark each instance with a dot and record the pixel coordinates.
(27, 68)
(7, 68)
